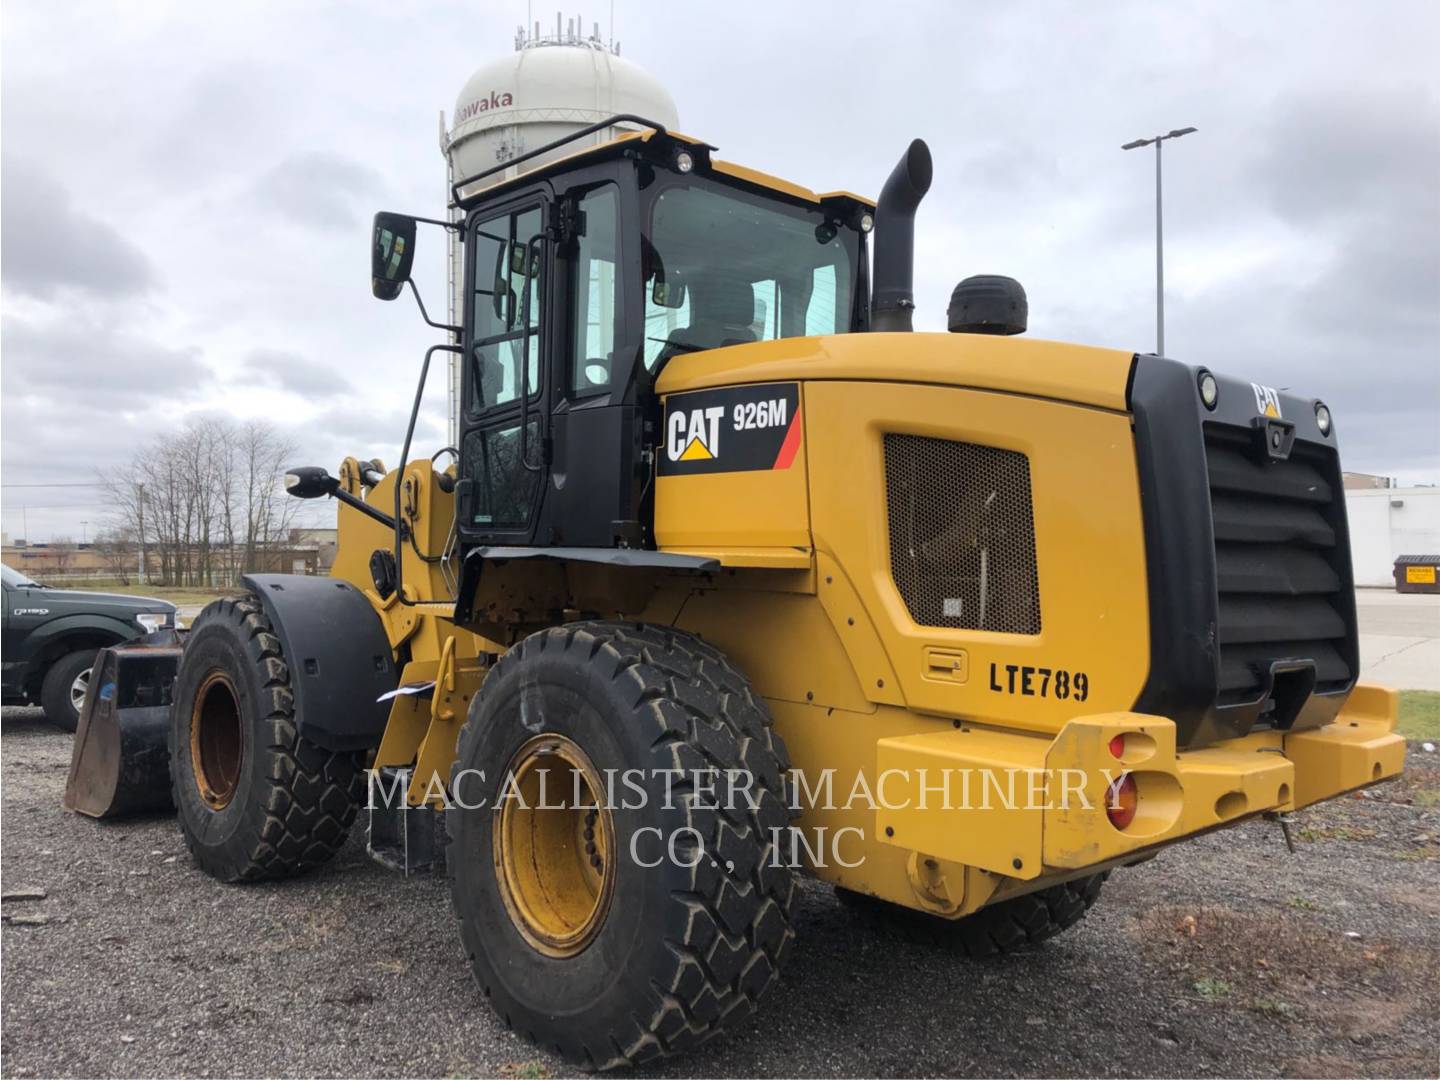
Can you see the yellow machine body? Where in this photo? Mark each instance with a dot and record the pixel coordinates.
(879, 714)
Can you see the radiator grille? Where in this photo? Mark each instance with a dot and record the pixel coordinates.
(962, 534)
(1281, 563)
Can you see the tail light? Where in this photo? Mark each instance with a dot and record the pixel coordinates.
(1121, 801)
(1117, 746)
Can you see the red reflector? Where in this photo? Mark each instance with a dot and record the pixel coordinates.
(1121, 801)
(1117, 746)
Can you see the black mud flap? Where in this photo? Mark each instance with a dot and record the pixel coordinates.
(120, 761)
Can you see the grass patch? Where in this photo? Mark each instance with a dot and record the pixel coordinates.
(1420, 714)
(1213, 989)
(1271, 1006)
(1301, 903)
(526, 1070)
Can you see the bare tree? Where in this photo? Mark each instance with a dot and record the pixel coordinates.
(61, 554)
(116, 548)
(265, 510)
(206, 503)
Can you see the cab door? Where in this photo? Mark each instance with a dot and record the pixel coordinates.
(505, 426)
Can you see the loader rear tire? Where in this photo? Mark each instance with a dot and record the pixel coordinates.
(631, 961)
(1004, 927)
(256, 800)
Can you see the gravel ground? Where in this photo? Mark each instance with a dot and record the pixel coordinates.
(1225, 956)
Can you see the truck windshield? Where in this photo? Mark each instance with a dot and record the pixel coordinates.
(15, 579)
(723, 267)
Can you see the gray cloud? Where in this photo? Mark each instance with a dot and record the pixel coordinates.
(81, 358)
(48, 244)
(290, 371)
(319, 189)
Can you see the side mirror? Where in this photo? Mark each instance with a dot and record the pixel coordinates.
(503, 299)
(667, 294)
(391, 254)
(310, 481)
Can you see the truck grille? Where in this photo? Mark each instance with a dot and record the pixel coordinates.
(1281, 562)
(962, 534)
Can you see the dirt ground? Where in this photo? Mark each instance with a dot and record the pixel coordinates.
(1225, 956)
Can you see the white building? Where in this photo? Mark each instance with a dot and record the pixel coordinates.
(1386, 523)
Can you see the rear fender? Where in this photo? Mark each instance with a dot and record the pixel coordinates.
(339, 657)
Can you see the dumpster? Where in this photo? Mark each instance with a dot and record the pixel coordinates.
(1417, 574)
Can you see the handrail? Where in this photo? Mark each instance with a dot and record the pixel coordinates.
(619, 118)
(404, 458)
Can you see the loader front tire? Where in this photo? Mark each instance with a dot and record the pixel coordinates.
(256, 799)
(583, 933)
(1003, 927)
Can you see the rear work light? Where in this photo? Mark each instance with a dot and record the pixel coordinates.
(1122, 799)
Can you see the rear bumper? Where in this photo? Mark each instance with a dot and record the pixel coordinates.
(1028, 807)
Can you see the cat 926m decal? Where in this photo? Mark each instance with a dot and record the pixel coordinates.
(733, 429)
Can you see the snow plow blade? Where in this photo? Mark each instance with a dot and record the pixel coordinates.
(120, 763)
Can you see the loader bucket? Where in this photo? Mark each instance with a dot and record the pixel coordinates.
(120, 763)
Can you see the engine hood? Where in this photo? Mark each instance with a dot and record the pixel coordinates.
(108, 603)
(1056, 370)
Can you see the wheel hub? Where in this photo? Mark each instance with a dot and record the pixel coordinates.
(554, 846)
(216, 741)
(79, 688)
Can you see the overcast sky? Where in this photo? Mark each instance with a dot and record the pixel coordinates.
(187, 191)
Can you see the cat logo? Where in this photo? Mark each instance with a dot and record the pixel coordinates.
(1267, 401)
(731, 429)
(694, 434)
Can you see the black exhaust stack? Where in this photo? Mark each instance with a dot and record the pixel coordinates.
(892, 297)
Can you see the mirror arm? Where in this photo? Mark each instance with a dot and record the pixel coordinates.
(453, 226)
(365, 508)
(426, 315)
(404, 457)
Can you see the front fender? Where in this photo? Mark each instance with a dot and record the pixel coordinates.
(339, 657)
(109, 631)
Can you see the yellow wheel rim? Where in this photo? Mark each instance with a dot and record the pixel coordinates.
(217, 745)
(554, 845)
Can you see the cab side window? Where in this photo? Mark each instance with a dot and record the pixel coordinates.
(596, 292)
(506, 312)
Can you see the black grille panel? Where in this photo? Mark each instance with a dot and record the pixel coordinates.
(962, 534)
(1282, 569)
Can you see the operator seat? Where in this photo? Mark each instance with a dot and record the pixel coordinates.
(722, 310)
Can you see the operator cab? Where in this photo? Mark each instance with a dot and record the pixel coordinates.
(584, 278)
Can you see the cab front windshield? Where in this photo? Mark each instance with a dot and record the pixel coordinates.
(726, 268)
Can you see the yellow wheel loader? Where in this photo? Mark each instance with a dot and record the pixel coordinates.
(731, 577)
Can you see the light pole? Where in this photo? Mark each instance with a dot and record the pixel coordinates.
(1159, 234)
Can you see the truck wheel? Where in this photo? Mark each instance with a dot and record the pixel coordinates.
(256, 800)
(63, 691)
(1002, 927)
(583, 931)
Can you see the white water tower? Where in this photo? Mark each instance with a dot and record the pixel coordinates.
(550, 86)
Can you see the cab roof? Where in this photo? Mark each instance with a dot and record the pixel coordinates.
(658, 144)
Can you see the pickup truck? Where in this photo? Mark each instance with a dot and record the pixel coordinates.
(51, 635)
